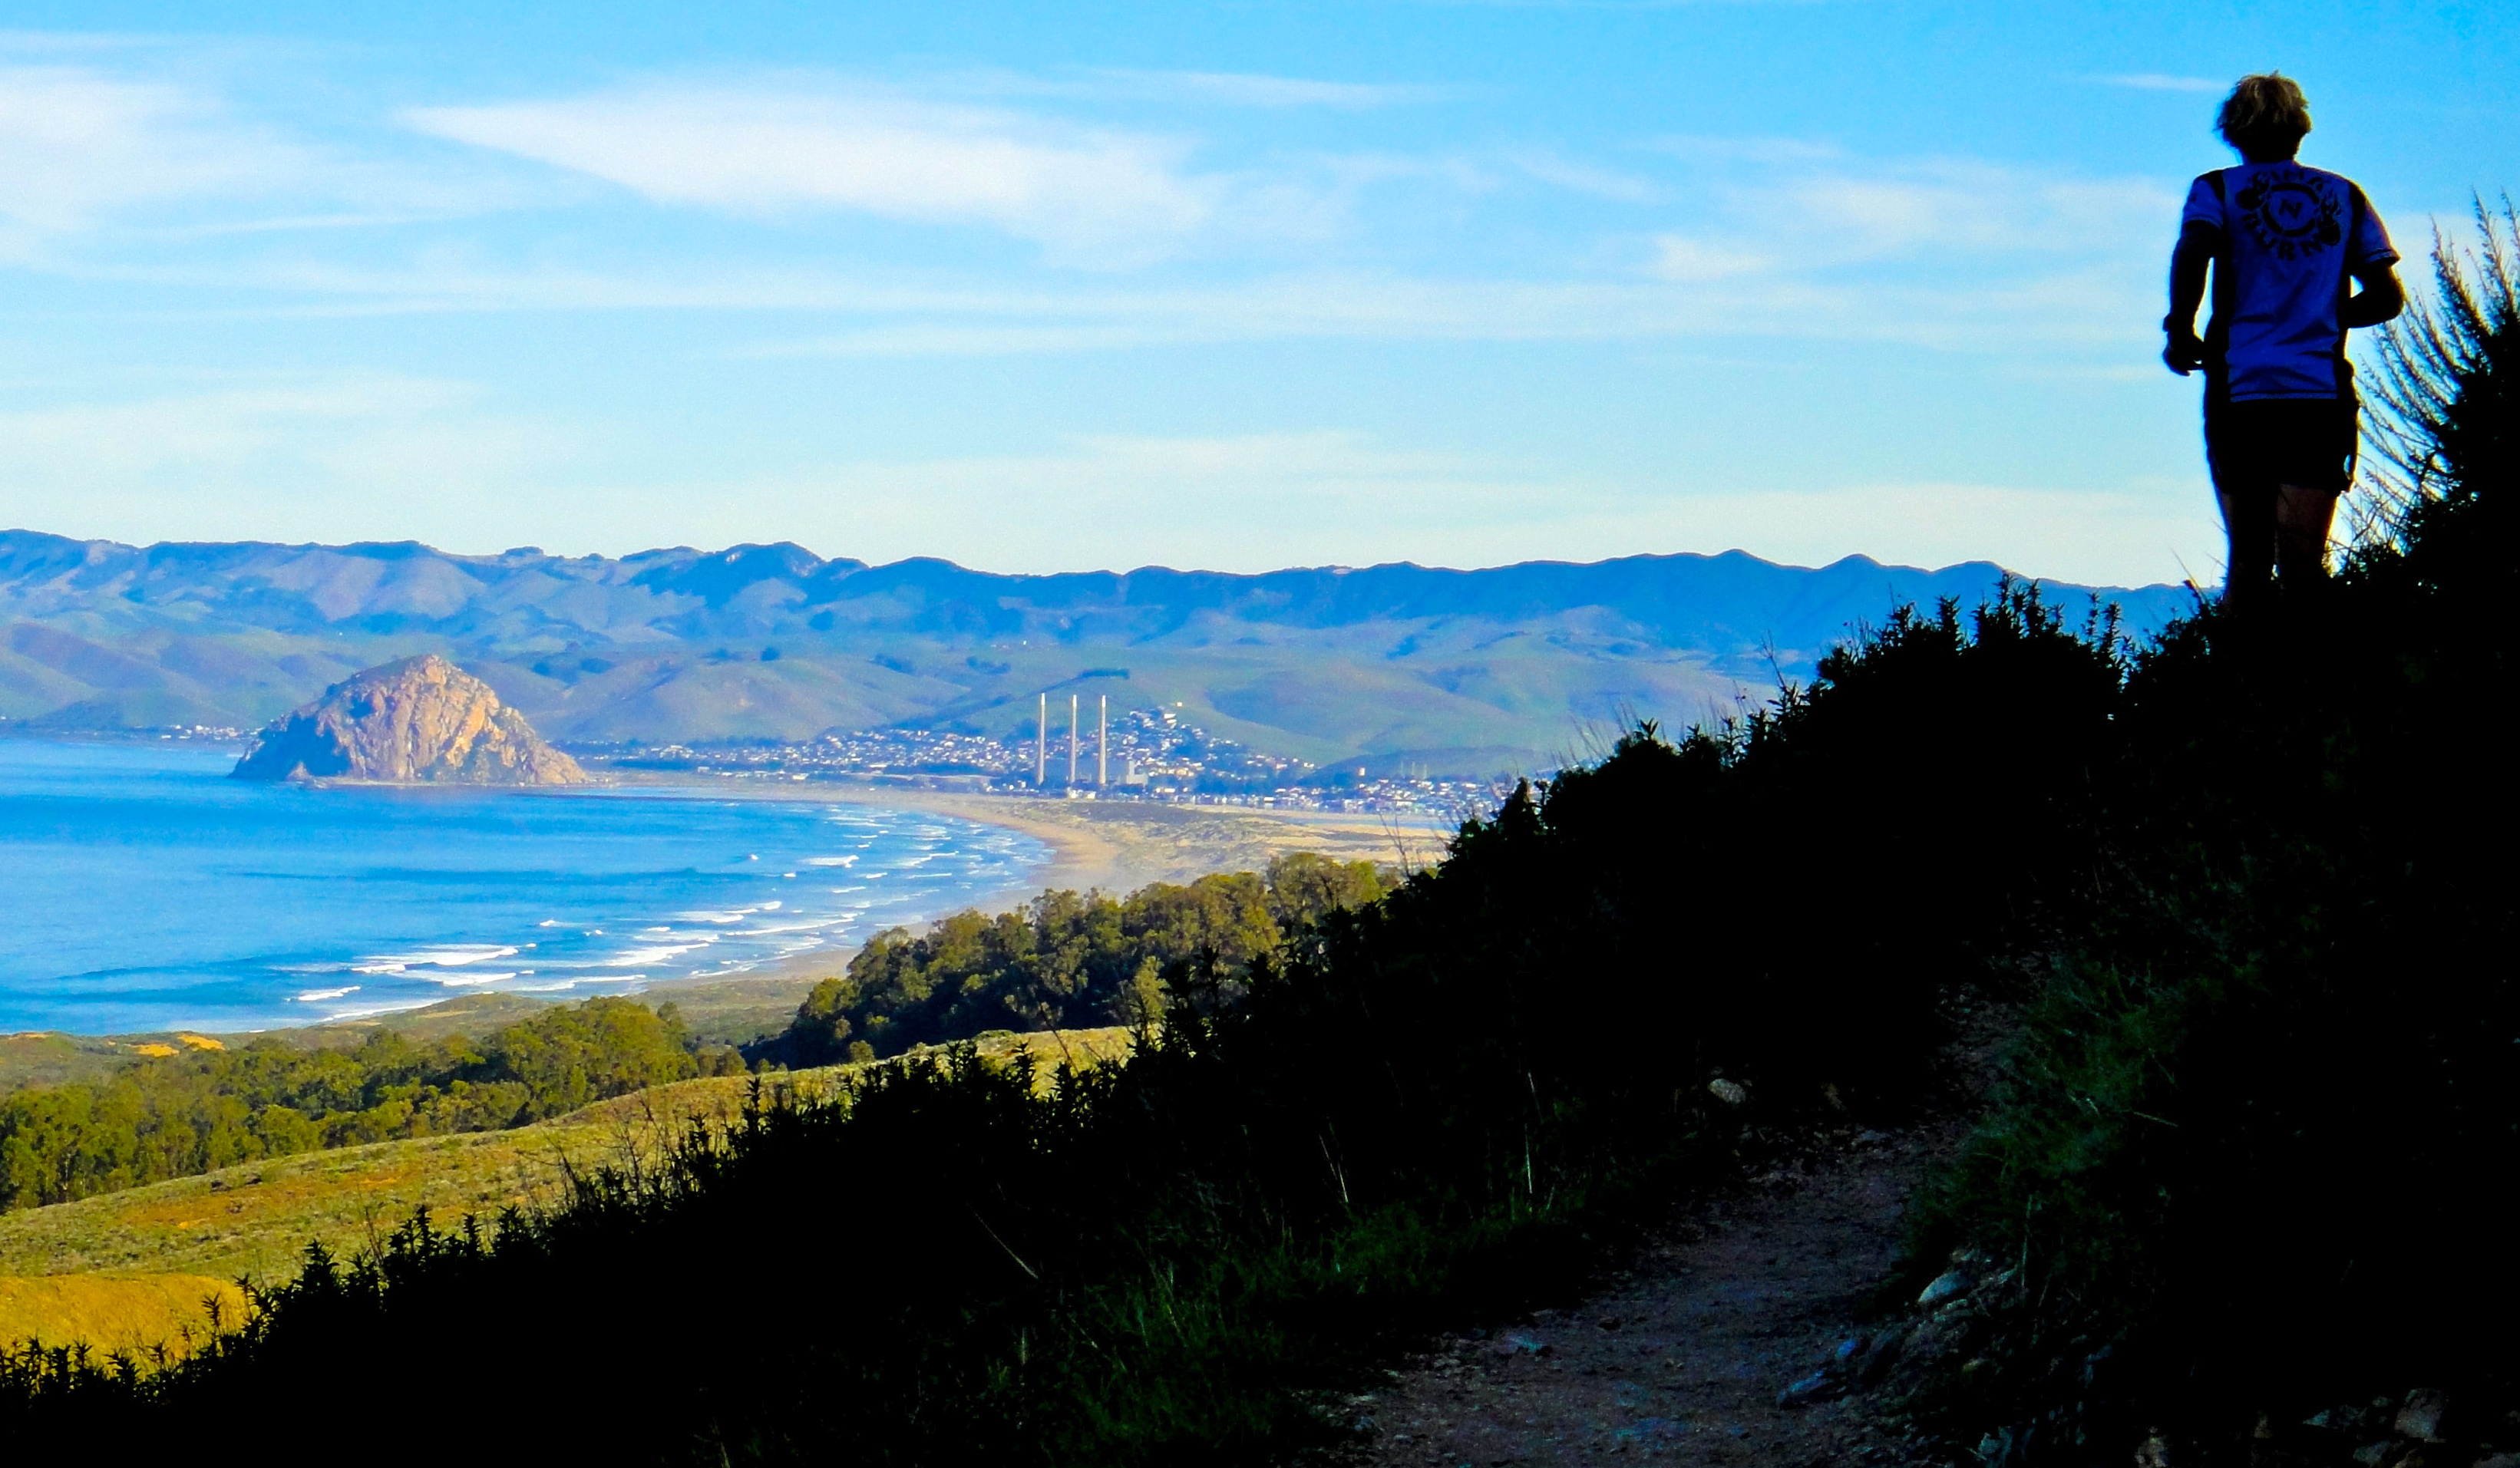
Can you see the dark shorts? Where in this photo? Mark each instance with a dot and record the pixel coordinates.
(2253, 446)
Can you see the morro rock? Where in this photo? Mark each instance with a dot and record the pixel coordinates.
(420, 721)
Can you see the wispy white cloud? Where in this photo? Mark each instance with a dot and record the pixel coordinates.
(1718, 295)
(365, 457)
(1214, 89)
(77, 145)
(1704, 151)
(154, 159)
(1577, 176)
(1614, 6)
(2162, 81)
(1758, 236)
(1240, 89)
(1085, 191)
(1963, 206)
(1680, 258)
(55, 44)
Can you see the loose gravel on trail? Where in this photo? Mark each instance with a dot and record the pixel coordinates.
(1682, 1358)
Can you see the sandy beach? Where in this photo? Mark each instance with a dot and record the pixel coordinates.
(1115, 846)
(1120, 846)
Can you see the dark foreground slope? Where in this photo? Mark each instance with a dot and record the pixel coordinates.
(1451, 1103)
(2252, 1173)
(1453, 1099)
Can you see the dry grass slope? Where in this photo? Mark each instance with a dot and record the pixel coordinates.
(255, 1220)
(113, 1312)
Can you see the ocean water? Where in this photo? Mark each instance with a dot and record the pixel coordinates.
(141, 889)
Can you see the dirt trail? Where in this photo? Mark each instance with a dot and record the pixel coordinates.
(1682, 1358)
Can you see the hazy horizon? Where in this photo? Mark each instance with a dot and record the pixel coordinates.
(1073, 570)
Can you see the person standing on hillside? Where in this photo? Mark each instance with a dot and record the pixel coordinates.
(2285, 242)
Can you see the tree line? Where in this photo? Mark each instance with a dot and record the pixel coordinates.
(180, 1115)
(1065, 960)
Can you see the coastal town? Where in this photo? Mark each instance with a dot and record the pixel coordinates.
(1138, 754)
(1141, 755)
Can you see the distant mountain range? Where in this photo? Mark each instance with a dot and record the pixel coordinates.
(1464, 671)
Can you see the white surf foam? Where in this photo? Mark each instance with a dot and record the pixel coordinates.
(450, 955)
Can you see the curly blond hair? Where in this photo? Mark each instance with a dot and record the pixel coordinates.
(2265, 116)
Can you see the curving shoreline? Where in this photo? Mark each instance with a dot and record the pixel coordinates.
(1116, 846)
(1122, 845)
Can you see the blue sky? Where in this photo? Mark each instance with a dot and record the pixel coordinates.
(1099, 286)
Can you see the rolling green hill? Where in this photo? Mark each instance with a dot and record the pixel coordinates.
(1457, 671)
(256, 1218)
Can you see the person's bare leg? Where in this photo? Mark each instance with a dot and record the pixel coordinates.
(2249, 561)
(2303, 518)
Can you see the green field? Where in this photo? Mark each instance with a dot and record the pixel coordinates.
(255, 1220)
(112, 1313)
(733, 1012)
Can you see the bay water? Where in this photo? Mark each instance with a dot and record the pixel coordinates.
(141, 889)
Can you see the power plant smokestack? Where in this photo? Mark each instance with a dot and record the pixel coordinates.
(1102, 746)
(1041, 746)
(1071, 741)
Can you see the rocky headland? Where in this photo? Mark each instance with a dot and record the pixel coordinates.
(419, 721)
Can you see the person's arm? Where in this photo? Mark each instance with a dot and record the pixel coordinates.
(2198, 243)
(2381, 298)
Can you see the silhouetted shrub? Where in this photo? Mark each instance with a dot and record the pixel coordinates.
(2255, 1142)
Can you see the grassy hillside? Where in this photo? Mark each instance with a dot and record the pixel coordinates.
(733, 1012)
(728, 1012)
(255, 1220)
(1469, 671)
(45, 1057)
(109, 1312)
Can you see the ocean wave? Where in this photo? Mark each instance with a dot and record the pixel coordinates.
(466, 980)
(317, 996)
(565, 985)
(661, 954)
(390, 1006)
(451, 956)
